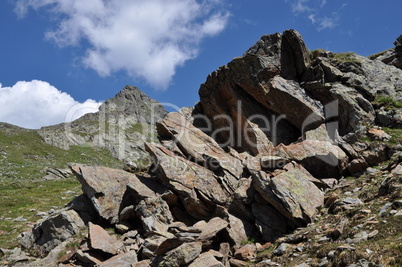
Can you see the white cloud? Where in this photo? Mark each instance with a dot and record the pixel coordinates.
(327, 23)
(300, 6)
(37, 103)
(147, 39)
(312, 18)
(314, 9)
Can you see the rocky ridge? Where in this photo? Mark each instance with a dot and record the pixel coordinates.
(392, 56)
(252, 175)
(122, 125)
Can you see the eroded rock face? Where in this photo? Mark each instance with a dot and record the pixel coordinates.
(155, 215)
(247, 90)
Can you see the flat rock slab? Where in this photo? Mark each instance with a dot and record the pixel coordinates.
(123, 260)
(321, 158)
(206, 259)
(101, 240)
(182, 255)
(211, 228)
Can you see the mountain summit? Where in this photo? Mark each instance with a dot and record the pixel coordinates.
(122, 125)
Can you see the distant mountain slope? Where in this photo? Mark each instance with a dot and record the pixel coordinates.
(121, 126)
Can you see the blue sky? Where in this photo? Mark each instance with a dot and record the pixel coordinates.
(57, 54)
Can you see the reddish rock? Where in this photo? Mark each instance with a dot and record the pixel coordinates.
(101, 240)
(321, 158)
(357, 166)
(378, 134)
(247, 252)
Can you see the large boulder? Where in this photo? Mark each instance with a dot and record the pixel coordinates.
(105, 187)
(291, 193)
(198, 187)
(52, 231)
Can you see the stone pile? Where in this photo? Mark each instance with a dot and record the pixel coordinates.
(247, 165)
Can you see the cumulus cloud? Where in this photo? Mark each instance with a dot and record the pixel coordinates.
(37, 103)
(147, 39)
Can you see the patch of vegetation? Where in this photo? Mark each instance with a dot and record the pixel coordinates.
(21, 200)
(250, 240)
(387, 102)
(317, 53)
(396, 135)
(25, 156)
(138, 127)
(346, 57)
(375, 56)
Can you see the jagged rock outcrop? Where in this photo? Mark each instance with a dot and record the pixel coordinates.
(122, 125)
(287, 91)
(274, 129)
(392, 56)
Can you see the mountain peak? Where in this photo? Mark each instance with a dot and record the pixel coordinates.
(131, 101)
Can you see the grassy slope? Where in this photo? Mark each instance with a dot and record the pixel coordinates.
(24, 158)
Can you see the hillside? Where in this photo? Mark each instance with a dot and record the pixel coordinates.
(25, 162)
(292, 157)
